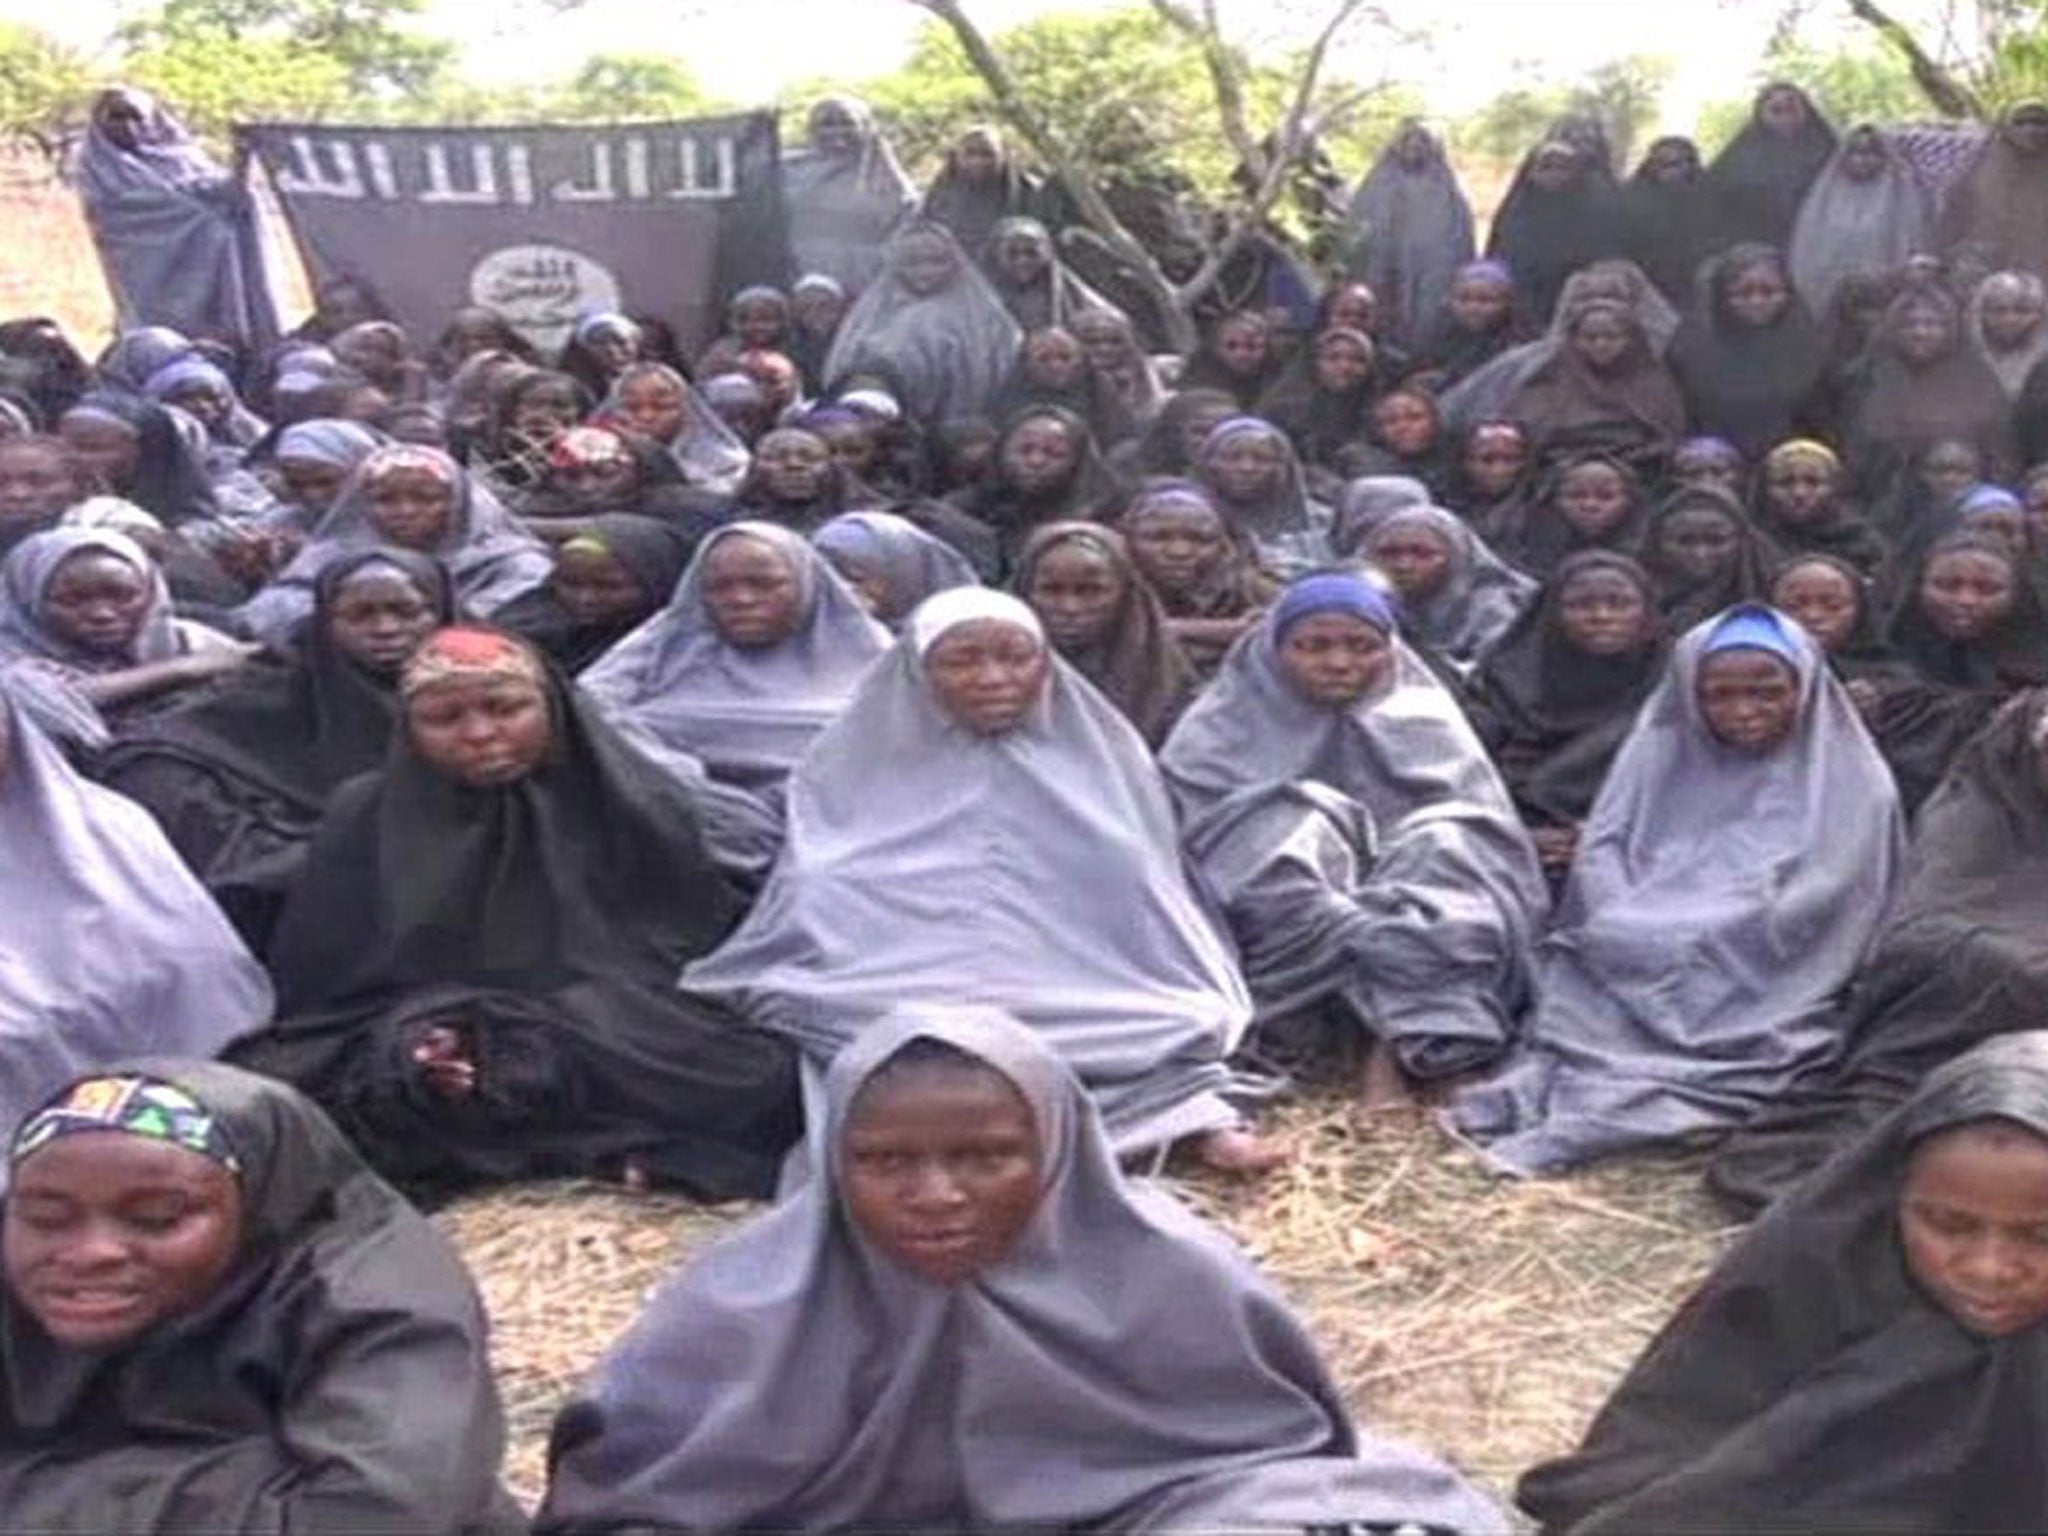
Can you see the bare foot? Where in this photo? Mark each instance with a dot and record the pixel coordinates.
(442, 1057)
(1382, 1084)
(1239, 1151)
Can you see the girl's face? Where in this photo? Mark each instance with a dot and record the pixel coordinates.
(1973, 1224)
(595, 587)
(1824, 601)
(1749, 699)
(1864, 158)
(1782, 111)
(1496, 458)
(795, 466)
(2012, 318)
(1415, 559)
(1600, 341)
(1404, 422)
(760, 323)
(411, 507)
(1040, 455)
(1603, 613)
(1335, 659)
(1949, 469)
(1700, 544)
(1967, 593)
(1055, 360)
(483, 733)
(925, 264)
(817, 310)
(1355, 307)
(36, 483)
(1923, 333)
(109, 449)
(1243, 344)
(653, 406)
(1799, 489)
(1076, 590)
(1480, 304)
(378, 618)
(1342, 365)
(1708, 466)
(939, 1169)
(545, 412)
(107, 1235)
(616, 348)
(97, 602)
(751, 592)
(1196, 426)
(311, 483)
(1758, 295)
(202, 402)
(1593, 500)
(986, 675)
(1249, 467)
(1106, 342)
(1176, 543)
(2007, 525)
(602, 483)
(1023, 258)
(853, 445)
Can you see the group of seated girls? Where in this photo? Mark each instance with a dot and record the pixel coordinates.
(928, 767)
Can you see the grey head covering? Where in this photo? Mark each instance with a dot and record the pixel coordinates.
(1481, 596)
(489, 554)
(1484, 394)
(1850, 227)
(1422, 897)
(1037, 870)
(747, 715)
(841, 209)
(2011, 367)
(328, 440)
(1369, 501)
(25, 578)
(1719, 904)
(950, 351)
(911, 563)
(1123, 1368)
(108, 944)
(706, 450)
(1290, 530)
(1408, 232)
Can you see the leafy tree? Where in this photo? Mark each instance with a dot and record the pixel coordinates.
(1856, 84)
(44, 86)
(368, 44)
(1622, 93)
(628, 85)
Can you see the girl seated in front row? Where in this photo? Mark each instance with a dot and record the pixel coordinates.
(953, 1322)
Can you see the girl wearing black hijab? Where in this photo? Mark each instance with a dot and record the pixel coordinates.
(1236, 355)
(476, 969)
(612, 576)
(1561, 214)
(1748, 357)
(291, 1347)
(1048, 470)
(1873, 1354)
(1669, 219)
(1704, 555)
(980, 185)
(1760, 179)
(134, 448)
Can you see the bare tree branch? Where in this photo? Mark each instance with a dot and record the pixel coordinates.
(1938, 84)
(1226, 80)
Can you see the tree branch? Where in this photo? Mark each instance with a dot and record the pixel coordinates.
(1225, 78)
(1939, 85)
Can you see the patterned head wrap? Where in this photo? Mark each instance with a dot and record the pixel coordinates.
(394, 457)
(589, 448)
(1804, 448)
(463, 653)
(135, 1105)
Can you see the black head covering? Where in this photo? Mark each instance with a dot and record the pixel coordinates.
(1206, 369)
(1761, 177)
(1671, 227)
(1546, 236)
(1159, 451)
(1749, 384)
(1087, 494)
(1685, 601)
(1553, 717)
(169, 480)
(1840, 532)
(655, 553)
(337, 1379)
(1535, 536)
(1811, 1385)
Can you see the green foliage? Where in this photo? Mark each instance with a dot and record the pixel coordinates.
(1622, 93)
(368, 41)
(1862, 83)
(1093, 76)
(629, 85)
(43, 85)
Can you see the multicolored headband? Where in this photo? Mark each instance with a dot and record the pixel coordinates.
(589, 448)
(393, 457)
(462, 655)
(134, 1105)
(1804, 448)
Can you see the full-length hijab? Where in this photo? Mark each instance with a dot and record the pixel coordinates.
(1999, 208)
(706, 451)
(748, 715)
(336, 1381)
(1752, 385)
(1368, 854)
(1810, 1385)
(1847, 228)
(795, 1378)
(1761, 177)
(1717, 906)
(841, 208)
(654, 552)
(1481, 596)
(911, 563)
(1409, 231)
(1037, 870)
(1962, 959)
(110, 945)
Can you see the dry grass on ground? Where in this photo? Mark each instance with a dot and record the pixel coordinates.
(1485, 1318)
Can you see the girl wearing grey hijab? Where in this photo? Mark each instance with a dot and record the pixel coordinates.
(844, 192)
(1015, 847)
(1080, 1354)
(1865, 213)
(746, 702)
(1368, 858)
(1729, 881)
(1457, 596)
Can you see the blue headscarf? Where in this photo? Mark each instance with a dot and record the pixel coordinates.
(1333, 592)
(1753, 627)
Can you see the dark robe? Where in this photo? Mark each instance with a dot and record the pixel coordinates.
(1761, 178)
(1810, 1385)
(1748, 384)
(239, 776)
(655, 552)
(1962, 959)
(1670, 228)
(1892, 409)
(336, 1381)
(1683, 599)
(1532, 534)
(1014, 513)
(1998, 211)
(550, 918)
(1544, 237)
(1551, 716)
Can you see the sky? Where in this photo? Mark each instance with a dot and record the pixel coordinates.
(758, 49)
